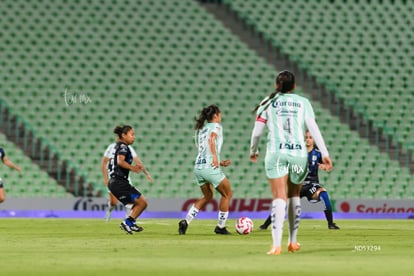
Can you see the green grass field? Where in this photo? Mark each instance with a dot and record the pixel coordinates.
(93, 247)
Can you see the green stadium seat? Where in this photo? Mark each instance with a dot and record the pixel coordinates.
(157, 73)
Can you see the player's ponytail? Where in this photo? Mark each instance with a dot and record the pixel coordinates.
(206, 113)
(119, 130)
(285, 82)
(271, 96)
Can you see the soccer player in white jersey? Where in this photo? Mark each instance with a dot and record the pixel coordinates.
(207, 169)
(287, 116)
(107, 169)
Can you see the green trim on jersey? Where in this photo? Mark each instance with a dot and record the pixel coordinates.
(285, 116)
(205, 157)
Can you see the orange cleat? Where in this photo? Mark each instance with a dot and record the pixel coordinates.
(275, 250)
(293, 247)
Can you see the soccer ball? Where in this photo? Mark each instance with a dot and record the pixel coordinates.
(244, 225)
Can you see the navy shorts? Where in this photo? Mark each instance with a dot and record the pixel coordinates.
(308, 189)
(123, 191)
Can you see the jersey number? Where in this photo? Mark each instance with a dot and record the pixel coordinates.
(287, 126)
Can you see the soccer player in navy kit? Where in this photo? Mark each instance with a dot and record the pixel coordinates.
(119, 184)
(107, 170)
(9, 164)
(311, 188)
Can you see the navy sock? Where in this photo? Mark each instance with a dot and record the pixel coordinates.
(328, 207)
(325, 197)
(130, 221)
(268, 221)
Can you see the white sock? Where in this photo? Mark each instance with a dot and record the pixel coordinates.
(278, 218)
(222, 218)
(128, 208)
(110, 207)
(294, 218)
(192, 213)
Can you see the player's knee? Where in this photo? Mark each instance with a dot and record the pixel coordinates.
(143, 202)
(295, 192)
(225, 189)
(208, 196)
(2, 199)
(230, 193)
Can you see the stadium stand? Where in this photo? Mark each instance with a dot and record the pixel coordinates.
(32, 181)
(74, 70)
(360, 50)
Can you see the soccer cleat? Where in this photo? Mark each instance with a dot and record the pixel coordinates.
(126, 228)
(136, 228)
(333, 226)
(182, 227)
(263, 227)
(293, 247)
(275, 250)
(221, 231)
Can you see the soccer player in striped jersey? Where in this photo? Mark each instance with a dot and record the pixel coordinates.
(6, 161)
(311, 189)
(287, 116)
(207, 169)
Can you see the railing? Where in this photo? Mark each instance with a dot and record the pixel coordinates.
(42, 152)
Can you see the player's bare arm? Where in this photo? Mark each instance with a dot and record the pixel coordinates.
(10, 164)
(104, 164)
(212, 145)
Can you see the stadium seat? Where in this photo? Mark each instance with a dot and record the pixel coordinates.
(160, 64)
(363, 33)
(31, 181)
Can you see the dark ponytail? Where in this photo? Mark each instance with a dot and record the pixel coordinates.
(285, 82)
(271, 96)
(119, 130)
(206, 113)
